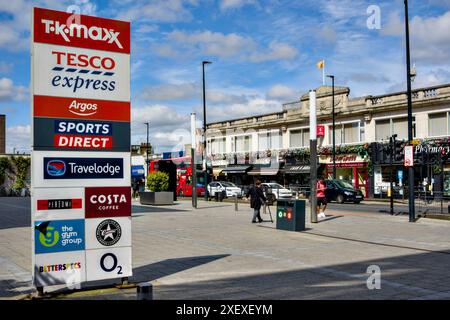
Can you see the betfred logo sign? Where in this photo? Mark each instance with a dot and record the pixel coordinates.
(83, 168)
(61, 28)
(108, 202)
(71, 108)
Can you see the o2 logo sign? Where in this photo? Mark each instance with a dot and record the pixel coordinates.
(109, 263)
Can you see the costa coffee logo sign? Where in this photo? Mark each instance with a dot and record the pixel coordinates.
(108, 202)
(61, 28)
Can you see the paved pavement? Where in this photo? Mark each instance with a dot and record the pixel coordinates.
(216, 253)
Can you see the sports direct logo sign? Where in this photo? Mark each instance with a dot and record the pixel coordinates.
(108, 202)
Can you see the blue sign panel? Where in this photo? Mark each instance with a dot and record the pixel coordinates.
(137, 171)
(400, 174)
(59, 236)
(74, 127)
(170, 155)
(83, 168)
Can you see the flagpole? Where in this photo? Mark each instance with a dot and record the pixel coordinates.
(323, 74)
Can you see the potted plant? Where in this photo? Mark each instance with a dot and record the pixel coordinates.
(158, 184)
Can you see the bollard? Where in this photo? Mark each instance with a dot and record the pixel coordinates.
(145, 291)
(236, 202)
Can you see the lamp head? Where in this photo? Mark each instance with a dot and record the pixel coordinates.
(206, 62)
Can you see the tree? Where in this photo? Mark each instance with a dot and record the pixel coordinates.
(158, 181)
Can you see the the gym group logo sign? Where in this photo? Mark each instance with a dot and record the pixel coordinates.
(83, 168)
(60, 28)
(108, 202)
(57, 236)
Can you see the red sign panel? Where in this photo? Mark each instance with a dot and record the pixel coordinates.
(321, 130)
(66, 29)
(71, 108)
(86, 142)
(409, 156)
(108, 202)
(59, 204)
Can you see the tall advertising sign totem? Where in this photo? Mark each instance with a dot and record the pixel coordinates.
(81, 195)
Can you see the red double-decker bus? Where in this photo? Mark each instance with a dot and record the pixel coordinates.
(184, 176)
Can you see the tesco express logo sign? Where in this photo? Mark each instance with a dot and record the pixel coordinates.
(87, 69)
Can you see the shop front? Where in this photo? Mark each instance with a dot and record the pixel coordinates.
(351, 168)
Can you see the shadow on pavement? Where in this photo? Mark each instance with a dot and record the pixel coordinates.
(15, 212)
(154, 209)
(7, 291)
(403, 277)
(171, 266)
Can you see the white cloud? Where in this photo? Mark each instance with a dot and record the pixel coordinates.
(278, 51)
(10, 92)
(5, 67)
(159, 11)
(167, 92)
(18, 138)
(226, 46)
(233, 4)
(282, 93)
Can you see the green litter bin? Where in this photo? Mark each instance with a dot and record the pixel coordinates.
(291, 215)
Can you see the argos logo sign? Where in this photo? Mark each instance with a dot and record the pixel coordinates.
(108, 202)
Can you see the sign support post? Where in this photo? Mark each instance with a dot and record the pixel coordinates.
(313, 148)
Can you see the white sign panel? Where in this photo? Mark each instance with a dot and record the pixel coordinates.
(58, 203)
(81, 73)
(80, 169)
(409, 156)
(108, 233)
(108, 263)
(60, 268)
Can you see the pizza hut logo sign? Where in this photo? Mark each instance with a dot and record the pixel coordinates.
(81, 31)
(108, 202)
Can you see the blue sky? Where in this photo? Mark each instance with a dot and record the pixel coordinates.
(264, 53)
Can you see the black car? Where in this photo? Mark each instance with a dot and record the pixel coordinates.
(342, 191)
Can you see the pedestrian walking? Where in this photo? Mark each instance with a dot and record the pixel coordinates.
(135, 186)
(257, 199)
(321, 198)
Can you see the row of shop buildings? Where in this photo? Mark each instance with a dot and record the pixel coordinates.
(275, 147)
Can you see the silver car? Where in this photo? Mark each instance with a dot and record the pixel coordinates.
(230, 188)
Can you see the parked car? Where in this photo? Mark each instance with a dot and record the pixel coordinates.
(230, 189)
(342, 191)
(278, 190)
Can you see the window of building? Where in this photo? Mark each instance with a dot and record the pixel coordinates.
(269, 140)
(387, 127)
(242, 143)
(299, 138)
(217, 145)
(347, 132)
(438, 124)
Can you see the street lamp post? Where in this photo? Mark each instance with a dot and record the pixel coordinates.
(146, 149)
(204, 130)
(334, 126)
(412, 214)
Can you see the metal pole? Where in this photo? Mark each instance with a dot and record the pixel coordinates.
(193, 163)
(146, 150)
(204, 131)
(392, 141)
(313, 148)
(412, 214)
(334, 132)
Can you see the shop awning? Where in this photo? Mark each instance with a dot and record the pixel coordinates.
(296, 169)
(236, 169)
(264, 172)
(217, 171)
